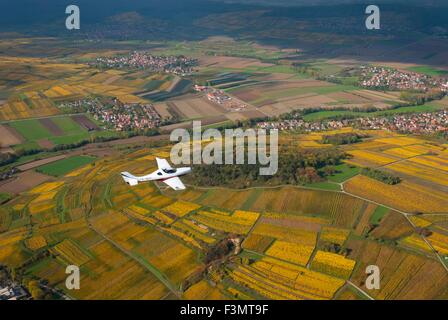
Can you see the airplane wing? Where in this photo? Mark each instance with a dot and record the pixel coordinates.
(163, 164)
(175, 183)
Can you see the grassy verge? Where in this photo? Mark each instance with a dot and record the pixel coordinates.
(328, 186)
(4, 197)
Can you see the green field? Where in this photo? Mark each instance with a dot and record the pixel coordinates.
(228, 48)
(62, 167)
(430, 71)
(26, 146)
(31, 130)
(70, 139)
(322, 115)
(34, 130)
(67, 125)
(325, 68)
(343, 173)
(281, 68)
(379, 213)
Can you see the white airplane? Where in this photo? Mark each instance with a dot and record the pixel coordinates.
(165, 173)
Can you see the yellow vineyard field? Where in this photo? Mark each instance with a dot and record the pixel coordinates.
(431, 161)
(239, 222)
(288, 234)
(292, 252)
(36, 242)
(203, 290)
(405, 196)
(181, 208)
(420, 171)
(139, 210)
(371, 157)
(46, 187)
(71, 253)
(334, 235)
(45, 196)
(280, 280)
(401, 141)
(193, 232)
(415, 241)
(333, 264)
(439, 242)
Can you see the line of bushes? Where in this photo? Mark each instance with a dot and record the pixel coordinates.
(382, 176)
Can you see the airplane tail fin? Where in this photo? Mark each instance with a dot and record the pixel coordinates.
(129, 178)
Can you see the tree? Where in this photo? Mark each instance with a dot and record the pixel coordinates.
(36, 292)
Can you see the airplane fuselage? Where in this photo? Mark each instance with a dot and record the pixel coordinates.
(162, 175)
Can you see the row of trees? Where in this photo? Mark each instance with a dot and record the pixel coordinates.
(382, 176)
(420, 98)
(343, 138)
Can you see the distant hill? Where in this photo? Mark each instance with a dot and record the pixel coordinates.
(291, 3)
(196, 19)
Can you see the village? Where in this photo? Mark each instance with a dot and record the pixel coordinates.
(178, 65)
(392, 79)
(117, 115)
(419, 123)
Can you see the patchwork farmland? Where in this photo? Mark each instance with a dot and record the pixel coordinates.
(308, 239)
(289, 242)
(45, 133)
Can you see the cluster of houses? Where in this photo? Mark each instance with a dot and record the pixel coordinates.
(125, 116)
(178, 65)
(419, 123)
(13, 292)
(117, 115)
(392, 79)
(221, 98)
(302, 125)
(8, 174)
(80, 106)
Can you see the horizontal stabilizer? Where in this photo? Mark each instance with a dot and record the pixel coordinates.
(129, 178)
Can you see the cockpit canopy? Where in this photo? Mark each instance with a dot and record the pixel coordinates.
(169, 171)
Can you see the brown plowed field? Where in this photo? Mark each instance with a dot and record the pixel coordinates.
(85, 122)
(52, 127)
(9, 136)
(24, 181)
